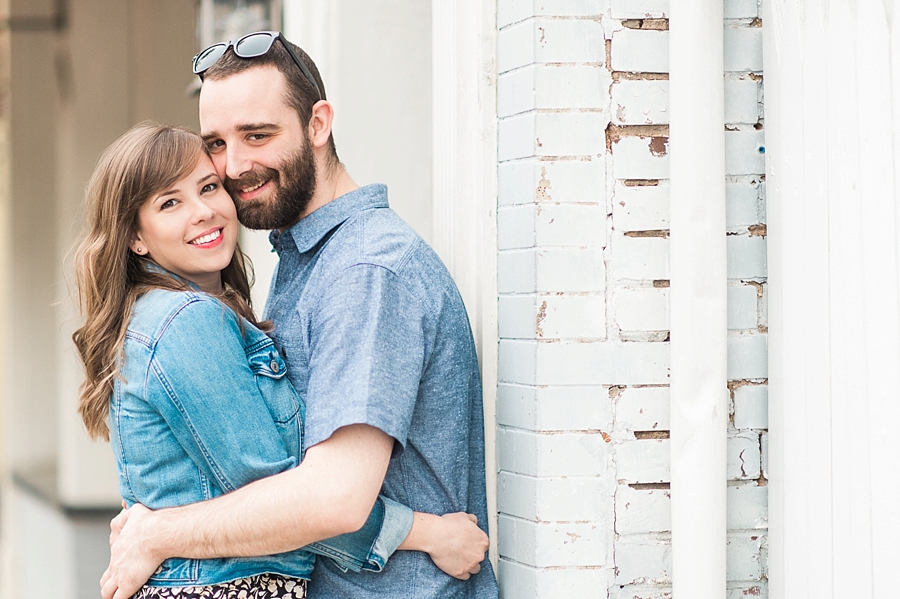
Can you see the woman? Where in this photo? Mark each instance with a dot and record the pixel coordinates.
(180, 376)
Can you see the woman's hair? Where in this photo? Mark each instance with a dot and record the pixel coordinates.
(144, 161)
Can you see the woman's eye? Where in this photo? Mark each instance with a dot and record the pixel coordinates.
(168, 204)
(209, 187)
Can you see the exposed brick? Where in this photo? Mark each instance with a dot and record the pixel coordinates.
(570, 454)
(640, 51)
(751, 407)
(554, 408)
(552, 544)
(552, 499)
(640, 511)
(640, 208)
(642, 409)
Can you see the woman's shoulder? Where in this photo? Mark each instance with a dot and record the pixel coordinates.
(155, 310)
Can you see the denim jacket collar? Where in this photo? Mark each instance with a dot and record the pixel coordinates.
(311, 229)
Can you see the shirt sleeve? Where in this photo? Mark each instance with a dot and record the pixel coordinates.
(370, 547)
(367, 352)
(211, 401)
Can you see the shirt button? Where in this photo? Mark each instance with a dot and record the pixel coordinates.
(274, 366)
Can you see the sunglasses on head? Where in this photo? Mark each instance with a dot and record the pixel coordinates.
(250, 46)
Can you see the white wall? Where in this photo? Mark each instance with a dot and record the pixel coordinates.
(832, 106)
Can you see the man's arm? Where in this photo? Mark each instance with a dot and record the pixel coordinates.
(330, 493)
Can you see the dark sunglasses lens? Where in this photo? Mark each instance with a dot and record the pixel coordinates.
(255, 44)
(208, 57)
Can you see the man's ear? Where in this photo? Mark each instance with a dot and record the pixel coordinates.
(320, 123)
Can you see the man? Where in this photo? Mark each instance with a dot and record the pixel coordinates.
(374, 333)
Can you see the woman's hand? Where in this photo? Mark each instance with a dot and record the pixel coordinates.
(453, 541)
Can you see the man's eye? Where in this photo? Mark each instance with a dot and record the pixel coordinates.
(215, 144)
(258, 136)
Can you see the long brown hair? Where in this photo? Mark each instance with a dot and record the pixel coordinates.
(144, 161)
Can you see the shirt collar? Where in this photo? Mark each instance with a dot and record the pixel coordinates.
(312, 228)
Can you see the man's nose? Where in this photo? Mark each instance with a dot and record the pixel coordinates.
(237, 163)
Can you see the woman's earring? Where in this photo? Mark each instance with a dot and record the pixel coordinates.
(140, 250)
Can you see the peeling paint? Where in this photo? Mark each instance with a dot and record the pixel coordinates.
(663, 233)
(541, 315)
(640, 182)
(541, 194)
(659, 146)
(758, 230)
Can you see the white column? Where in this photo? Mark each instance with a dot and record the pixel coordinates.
(698, 299)
(464, 182)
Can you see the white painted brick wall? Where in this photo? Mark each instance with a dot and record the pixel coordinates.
(547, 408)
(583, 218)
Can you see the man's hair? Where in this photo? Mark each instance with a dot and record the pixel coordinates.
(299, 92)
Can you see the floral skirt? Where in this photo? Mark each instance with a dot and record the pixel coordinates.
(263, 586)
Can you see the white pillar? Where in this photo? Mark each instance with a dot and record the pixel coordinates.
(698, 299)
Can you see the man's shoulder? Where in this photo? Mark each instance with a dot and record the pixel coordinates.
(379, 237)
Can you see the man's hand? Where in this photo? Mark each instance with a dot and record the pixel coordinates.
(131, 561)
(453, 541)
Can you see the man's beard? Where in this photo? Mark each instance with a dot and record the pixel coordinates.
(294, 185)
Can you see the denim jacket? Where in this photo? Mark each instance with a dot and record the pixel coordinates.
(202, 408)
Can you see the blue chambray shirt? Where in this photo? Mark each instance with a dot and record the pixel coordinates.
(374, 331)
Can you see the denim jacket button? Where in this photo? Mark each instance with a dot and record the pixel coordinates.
(274, 366)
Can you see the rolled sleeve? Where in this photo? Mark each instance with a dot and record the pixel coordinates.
(367, 354)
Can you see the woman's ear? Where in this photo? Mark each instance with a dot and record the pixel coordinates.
(137, 246)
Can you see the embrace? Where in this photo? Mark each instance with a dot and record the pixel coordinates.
(334, 448)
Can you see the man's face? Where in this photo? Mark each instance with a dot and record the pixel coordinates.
(259, 147)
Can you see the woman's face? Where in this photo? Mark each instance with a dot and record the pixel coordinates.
(191, 229)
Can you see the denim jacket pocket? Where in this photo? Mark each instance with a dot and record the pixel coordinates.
(176, 571)
(281, 399)
(269, 369)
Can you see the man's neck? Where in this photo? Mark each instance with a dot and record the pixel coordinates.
(330, 185)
